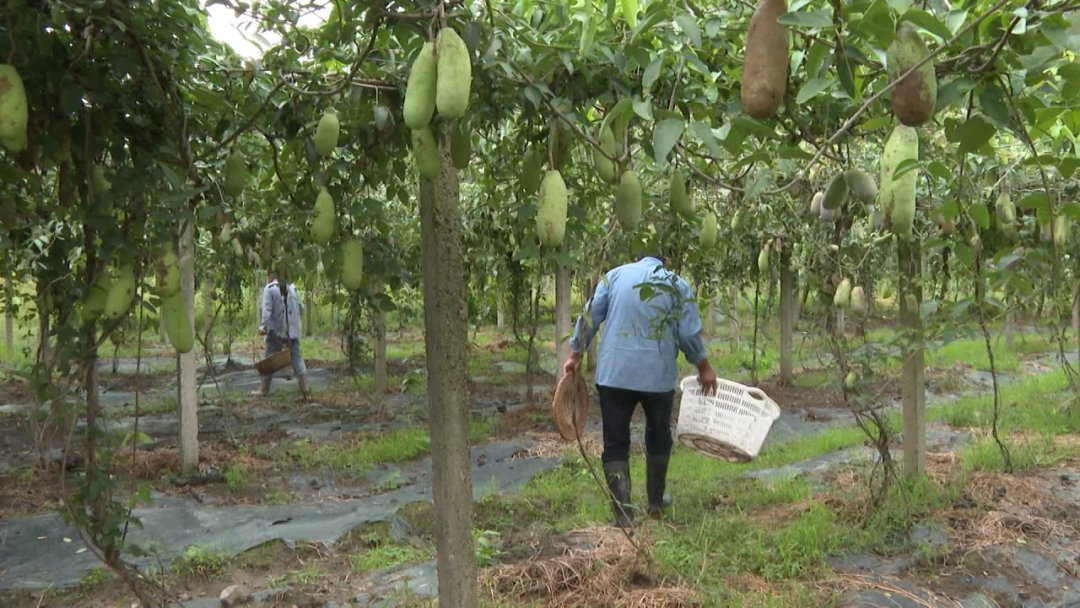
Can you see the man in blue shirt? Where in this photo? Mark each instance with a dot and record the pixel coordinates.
(280, 323)
(649, 314)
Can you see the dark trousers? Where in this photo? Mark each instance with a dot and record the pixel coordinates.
(617, 408)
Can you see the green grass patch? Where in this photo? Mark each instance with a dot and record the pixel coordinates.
(1025, 452)
(1035, 403)
(389, 556)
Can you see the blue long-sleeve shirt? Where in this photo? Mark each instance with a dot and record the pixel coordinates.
(642, 337)
(278, 318)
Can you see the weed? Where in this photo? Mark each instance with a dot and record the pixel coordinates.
(236, 477)
(388, 556)
(94, 579)
(306, 575)
(488, 547)
(200, 561)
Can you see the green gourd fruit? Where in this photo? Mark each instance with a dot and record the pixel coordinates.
(815, 203)
(326, 133)
(420, 89)
(763, 260)
(94, 303)
(324, 223)
(352, 264)
(101, 184)
(605, 167)
(628, 201)
(426, 153)
(236, 173)
(765, 63)
(532, 171)
(850, 380)
(121, 293)
(177, 323)
(551, 210)
(914, 97)
(861, 185)
(460, 146)
(836, 193)
(14, 114)
(897, 194)
(858, 299)
(842, 297)
(1062, 232)
(707, 237)
(168, 271)
(681, 201)
(454, 75)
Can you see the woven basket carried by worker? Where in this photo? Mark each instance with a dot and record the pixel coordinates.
(276, 361)
(730, 424)
(571, 406)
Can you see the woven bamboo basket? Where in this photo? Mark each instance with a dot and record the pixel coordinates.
(273, 363)
(570, 406)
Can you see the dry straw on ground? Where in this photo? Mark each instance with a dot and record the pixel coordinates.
(586, 568)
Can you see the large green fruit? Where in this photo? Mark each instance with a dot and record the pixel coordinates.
(842, 297)
(914, 97)
(226, 233)
(177, 323)
(532, 171)
(763, 260)
(325, 221)
(460, 145)
(858, 300)
(168, 271)
(850, 380)
(681, 201)
(861, 185)
(562, 143)
(426, 153)
(765, 64)
(897, 195)
(13, 109)
(454, 75)
(236, 173)
(836, 193)
(101, 184)
(1062, 233)
(551, 210)
(352, 264)
(1006, 209)
(326, 134)
(94, 303)
(628, 201)
(815, 203)
(420, 89)
(605, 167)
(707, 236)
(828, 215)
(121, 293)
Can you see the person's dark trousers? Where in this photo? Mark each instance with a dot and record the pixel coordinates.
(617, 409)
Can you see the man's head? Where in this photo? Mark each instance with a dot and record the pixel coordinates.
(654, 251)
(271, 275)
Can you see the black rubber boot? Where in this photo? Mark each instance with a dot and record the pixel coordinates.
(656, 482)
(618, 480)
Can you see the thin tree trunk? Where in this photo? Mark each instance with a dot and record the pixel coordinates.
(188, 395)
(736, 341)
(562, 316)
(787, 316)
(913, 380)
(378, 323)
(1010, 320)
(710, 317)
(500, 312)
(446, 340)
(9, 319)
(1076, 315)
(208, 314)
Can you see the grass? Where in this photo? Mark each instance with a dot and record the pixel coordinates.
(389, 556)
(236, 477)
(205, 562)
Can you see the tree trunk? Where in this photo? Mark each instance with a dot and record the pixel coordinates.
(378, 322)
(9, 319)
(500, 312)
(710, 317)
(841, 322)
(733, 319)
(188, 396)
(163, 334)
(913, 381)
(208, 315)
(787, 316)
(1076, 315)
(446, 341)
(309, 306)
(562, 316)
(1010, 320)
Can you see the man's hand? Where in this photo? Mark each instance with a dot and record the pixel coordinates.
(262, 331)
(573, 362)
(707, 378)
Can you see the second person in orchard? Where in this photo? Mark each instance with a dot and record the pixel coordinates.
(280, 324)
(649, 315)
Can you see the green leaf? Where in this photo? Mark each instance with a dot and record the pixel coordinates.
(955, 20)
(1068, 166)
(652, 72)
(665, 136)
(949, 210)
(973, 134)
(818, 18)
(928, 22)
(705, 133)
(980, 215)
(911, 164)
(689, 26)
(812, 88)
(878, 23)
(630, 11)
(992, 103)
(953, 91)
(939, 170)
(1071, 209)
(877, 122)
(1034, 200)
(643, 108)
(815, 58)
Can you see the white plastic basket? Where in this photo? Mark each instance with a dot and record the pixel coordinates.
(730, 425)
